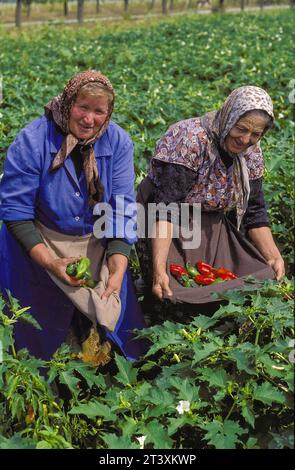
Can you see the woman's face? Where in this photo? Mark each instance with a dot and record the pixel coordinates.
(246, 132)
(88, 114)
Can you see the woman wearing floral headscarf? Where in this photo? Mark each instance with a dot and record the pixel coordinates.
(57, 172)
(216, 161)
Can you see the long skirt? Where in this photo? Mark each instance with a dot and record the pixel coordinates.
(221, 244)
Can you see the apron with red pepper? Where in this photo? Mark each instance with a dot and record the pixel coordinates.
(222, 245)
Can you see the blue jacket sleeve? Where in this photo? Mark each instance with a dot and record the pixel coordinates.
(20, 183)
(123, 194)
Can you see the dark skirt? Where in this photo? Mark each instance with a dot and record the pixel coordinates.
(221, 245)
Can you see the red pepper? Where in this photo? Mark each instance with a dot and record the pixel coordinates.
(177, 270)
(204, 268)
(221, 272)
(224, 277)
(204, 280)
(231, 275)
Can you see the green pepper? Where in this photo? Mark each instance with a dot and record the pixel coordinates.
(91, 283)
(80, 270)
(83, 266)
(87, 275)
(192, 270)
(71, 269)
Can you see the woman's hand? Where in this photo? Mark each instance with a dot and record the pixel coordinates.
(117, 265)
(58, 268)
(40, 254)
(161, 285)
(278, 265)
(263, 240)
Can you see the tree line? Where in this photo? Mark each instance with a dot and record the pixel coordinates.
(166, 5)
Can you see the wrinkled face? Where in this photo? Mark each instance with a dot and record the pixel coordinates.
(88, 114)
(246, 132)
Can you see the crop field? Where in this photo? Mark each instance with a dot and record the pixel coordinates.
(236, 382)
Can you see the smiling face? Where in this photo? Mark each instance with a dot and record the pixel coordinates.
(88, 114)
(246, 132)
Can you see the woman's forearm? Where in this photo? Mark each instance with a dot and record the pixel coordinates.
(264, 242)
(41, 255)
(117, 263)
(161, 241)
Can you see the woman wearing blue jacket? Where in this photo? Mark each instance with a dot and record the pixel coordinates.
(57, 170)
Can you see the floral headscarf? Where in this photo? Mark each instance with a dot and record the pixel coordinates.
(219, 123)
(60, 109)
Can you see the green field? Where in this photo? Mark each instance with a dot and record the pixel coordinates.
(163, 72)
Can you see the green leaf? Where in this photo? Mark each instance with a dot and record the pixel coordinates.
(242, 361)
(268, 394)
(223, 435)
(204, 322)
(94, 409)
(118, 442)
(202, 351)
(251, 443)
(16, 442)
(90, 375)
(175, 424)
(71, 381)
(157, 435)
(127, 373)
(187, 389)
(216, 377)
(247, 413)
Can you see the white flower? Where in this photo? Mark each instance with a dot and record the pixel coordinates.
(141, 440)
(183, 406)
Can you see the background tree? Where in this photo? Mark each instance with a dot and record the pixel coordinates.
(66, 8)
(18, 13)
(28, 4)
(80, 11)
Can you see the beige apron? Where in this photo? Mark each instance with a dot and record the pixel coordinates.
(88, 301)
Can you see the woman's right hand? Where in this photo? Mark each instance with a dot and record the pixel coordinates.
(161, 285)
(58, 268)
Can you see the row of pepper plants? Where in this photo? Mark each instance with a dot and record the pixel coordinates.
(223, 382)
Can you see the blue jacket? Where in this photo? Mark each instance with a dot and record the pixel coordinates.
(59, 200)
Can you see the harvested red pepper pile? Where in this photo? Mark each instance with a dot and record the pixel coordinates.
(202, 274)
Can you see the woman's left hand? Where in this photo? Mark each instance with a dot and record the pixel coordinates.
(114, 285)
(277, 264)
(117, 265)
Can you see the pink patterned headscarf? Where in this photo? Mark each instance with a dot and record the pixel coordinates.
(60, 109)
(219, 123)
